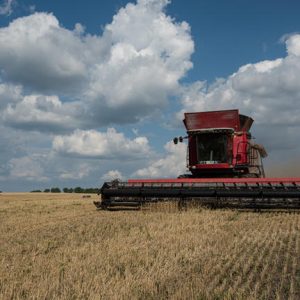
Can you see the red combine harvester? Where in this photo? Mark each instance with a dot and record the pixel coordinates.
(225, 167)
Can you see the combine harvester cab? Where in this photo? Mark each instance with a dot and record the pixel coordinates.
(220, 145)
(225, 167)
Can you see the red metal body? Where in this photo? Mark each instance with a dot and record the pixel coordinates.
(212, 119)
(225, 168)
(270, 180)
(219, 144)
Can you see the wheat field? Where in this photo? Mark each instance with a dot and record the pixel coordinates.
(57, 246)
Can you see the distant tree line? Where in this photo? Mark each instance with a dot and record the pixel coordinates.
(77, 189)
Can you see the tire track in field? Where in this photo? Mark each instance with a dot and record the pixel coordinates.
(294, 289)
(283, 289)
(217, 270)
(269, 278)
(250, 268)
(237, 258)
(243, 268)
(252, 284)
(283, 255)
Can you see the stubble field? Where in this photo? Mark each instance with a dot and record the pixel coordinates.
(57, 246)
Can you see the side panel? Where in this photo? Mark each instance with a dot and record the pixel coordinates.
(240, 149)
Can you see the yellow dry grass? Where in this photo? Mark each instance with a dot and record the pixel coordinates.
(60, 247)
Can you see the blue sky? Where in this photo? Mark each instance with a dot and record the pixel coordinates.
(101, 99)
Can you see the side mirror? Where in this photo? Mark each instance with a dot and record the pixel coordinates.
(175, 140)
(180, 139)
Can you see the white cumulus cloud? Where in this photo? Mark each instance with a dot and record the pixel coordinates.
(79, 171)
(103, 145)
(112, 174)
(150, 53)
(172, 164)
(27, 168)
(293, 45)
(121, 76)
(40, 54)
(9, 94)
(267, 90)
(42, 113)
